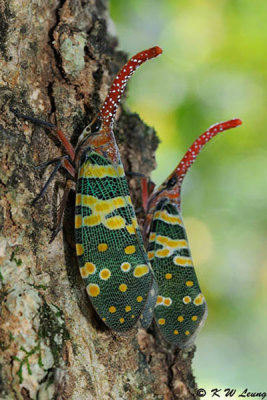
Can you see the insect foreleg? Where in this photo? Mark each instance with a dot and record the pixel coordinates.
(60, 162)
(62, 137)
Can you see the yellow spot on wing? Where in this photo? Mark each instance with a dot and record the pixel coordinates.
(175, 332)
(183, 261)
(168, 276)
(152, 236)
(107, 171)
(88, 269)
(102, 247)
(131, 229)
(163, 253)
(187, 299)
(189, 283)
(139, 299)
(105, 274)
(171, 242)
(114, 223)
(159, 299)
(128, 308)
(167, 302)
(92, 220)
(78, 199)
(125, 267)
(129, 250)
(88, 200)
(140, 270)
(120, 170)
(199, 299)
(164, 216)
(182, 243)
(187, 333)
(176, 243)
(121, 320)
(150, 255)
(78, 221)
(194, 318)
(180, 318)
(161, 239)
(112, 309)
(118, 202)
(123, 287)
(161, 321)
(93, 289)
(103, 207)
(79, 249)
(134, 222)
(100, 171)
(129, 200)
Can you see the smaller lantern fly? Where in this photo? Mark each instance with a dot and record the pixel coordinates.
(180, 308)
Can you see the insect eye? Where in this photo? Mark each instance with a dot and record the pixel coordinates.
(96, 125)
(172, 182)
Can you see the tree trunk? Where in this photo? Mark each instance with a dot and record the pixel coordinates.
(58, 59)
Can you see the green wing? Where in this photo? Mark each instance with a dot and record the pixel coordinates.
(109, 246)
(180, 308)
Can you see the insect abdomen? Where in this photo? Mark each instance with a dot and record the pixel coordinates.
(181, 308)
(109, 246)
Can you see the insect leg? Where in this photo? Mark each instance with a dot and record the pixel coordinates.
(61, 209)
(51, 177)
(64, 140)
(47, 163)
(60, 162)
(147, 187)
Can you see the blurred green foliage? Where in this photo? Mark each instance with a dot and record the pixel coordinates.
(213, 68)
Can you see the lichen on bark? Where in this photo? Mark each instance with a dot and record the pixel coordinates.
(57, 62)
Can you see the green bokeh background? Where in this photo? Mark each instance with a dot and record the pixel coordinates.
(213, 68)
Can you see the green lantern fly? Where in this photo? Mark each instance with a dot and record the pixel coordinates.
(180, 309)
(109, 245)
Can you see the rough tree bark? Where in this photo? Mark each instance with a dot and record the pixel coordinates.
(58, 59)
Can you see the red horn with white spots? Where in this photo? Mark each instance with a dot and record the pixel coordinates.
(110, 106)
(190, 156)
(171, 187)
